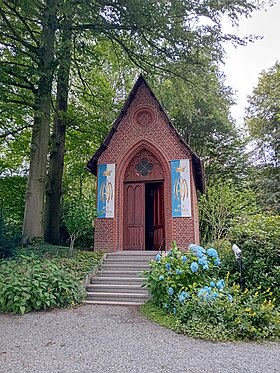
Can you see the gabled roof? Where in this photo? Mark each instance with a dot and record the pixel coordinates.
(197, 163)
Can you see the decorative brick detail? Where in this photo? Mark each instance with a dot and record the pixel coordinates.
(145, 126)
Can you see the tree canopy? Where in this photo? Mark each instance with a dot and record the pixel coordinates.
(66, 67)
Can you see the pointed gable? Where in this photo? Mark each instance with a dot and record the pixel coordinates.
(151, 107)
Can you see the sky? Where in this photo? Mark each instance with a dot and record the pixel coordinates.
(244, 63)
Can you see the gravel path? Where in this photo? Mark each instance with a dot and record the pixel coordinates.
(117, 339)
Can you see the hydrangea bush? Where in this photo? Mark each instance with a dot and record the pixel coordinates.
(186, 284)
(177, 276)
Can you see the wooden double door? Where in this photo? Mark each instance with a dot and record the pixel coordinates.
(143, 215)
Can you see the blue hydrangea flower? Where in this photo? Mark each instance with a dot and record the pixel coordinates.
(200, 248)
(203, 260)
(184, 258)
(201, 293)
(170, 291)
(158, 257)
(199, 254)
(167, 266)
(212, 284)
(183, 296)
(215, 295)
(179, 271)
(230, 298)
(166, 306)
(205, 267)
(161, 277)
(204, 292)
(170, 253)
(220, 284)
(174, 310)
(217, 262)
(194, 267)
(212, 252)
(197, 250)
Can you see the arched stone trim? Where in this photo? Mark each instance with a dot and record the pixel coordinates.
(120, 174)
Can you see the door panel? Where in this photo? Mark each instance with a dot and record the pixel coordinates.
(134, 216)
(158, 216)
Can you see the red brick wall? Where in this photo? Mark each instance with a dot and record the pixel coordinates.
(134, 133)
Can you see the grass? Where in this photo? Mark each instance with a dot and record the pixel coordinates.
(156, 314)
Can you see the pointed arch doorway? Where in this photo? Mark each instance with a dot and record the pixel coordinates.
(144, 203)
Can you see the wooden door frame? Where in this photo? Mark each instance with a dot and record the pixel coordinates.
(120, 177)
(132, 175)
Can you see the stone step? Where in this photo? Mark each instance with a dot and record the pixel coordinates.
(131, 253)
(120, 273)
(117, 280)
(119, 288)
(128, 259)
(114, 303)
(125, 266)
(122, 297)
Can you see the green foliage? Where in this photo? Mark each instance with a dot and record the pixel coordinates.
(78, 218)
(42, 250)
(161, 317)
(179, 272)
(265, 181)
(201, 114)
(31, 283)
(220, 206)
(263, 124)
(216, 312)
(263, 115)
(81, 264)
(248, 316)
(9, 237)
(12, 193)
(258, 237)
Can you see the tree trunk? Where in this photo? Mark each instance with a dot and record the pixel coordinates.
(34, 204)
(54, 187)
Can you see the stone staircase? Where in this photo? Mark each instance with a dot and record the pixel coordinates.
(119, 281)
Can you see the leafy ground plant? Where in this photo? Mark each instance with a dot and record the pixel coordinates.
(32, 283)
(245, 316)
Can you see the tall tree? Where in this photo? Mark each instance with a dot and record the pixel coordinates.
(56, 159)
(263, 124)
(201, 114)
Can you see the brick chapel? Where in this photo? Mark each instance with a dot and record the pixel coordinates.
(147, 180)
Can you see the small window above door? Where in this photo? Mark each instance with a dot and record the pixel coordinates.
(144, 166)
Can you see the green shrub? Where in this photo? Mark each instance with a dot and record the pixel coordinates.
(78, 215)
(249, 315)
(43, 250)
(82, 263)
(258, 237)
(9, 238)
(204, 307)
(218, 208)
(180, 273)
(32, 283)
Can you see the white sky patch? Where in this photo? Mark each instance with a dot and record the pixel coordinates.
(244, 63)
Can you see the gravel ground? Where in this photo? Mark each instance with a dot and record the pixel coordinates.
(117, 339)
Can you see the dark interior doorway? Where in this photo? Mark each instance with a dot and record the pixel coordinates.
(154, 216)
